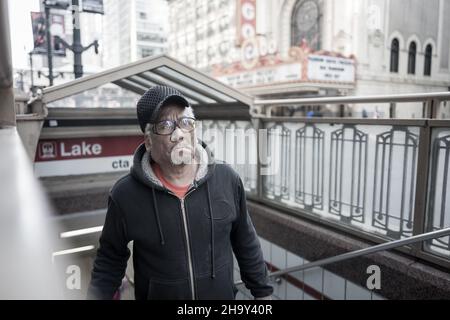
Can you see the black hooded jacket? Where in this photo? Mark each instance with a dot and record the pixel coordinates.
(182, 249)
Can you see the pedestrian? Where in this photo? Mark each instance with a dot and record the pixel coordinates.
(184, 211)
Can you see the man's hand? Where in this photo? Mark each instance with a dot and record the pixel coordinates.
(264, 298)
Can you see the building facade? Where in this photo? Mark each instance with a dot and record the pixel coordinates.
(384, 46)
(133, 30)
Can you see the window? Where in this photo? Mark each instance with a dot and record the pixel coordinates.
(191, 59)
(190, 14)
(305, 25)
(412, 58)
(394, 55)
(211, 52)
(224, 47)
(210, 31)
(199, 11)
(153, 37)
(200, 57)
(210, 6)
(427, 65)
(200, 32)
(223, 23)
(142, 15)
(145, 52)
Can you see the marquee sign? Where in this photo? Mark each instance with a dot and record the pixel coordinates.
(302, 65)
(326, 68)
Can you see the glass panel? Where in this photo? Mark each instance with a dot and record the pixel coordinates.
(234, 142)
(312, 284)
(438, 208)
(213, 94)
(105, 96)
(358, 175)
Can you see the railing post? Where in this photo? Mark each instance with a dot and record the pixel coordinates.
(257, 124)
(422, 170)
(431, 108)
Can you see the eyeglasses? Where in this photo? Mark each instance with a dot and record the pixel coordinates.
(166, 127)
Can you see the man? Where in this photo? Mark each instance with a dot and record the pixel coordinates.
(185, 213)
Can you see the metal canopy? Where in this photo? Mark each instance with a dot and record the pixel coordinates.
(199, 89)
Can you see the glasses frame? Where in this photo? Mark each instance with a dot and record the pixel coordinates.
(176, 124)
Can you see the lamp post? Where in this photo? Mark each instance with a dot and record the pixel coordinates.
(76, 47)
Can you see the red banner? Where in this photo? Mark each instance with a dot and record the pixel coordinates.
(40, 33)
(84, 148)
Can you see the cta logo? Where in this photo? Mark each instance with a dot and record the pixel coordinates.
(68, 149)
(47, 150)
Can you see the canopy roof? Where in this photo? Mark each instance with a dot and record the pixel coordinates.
(198, 88)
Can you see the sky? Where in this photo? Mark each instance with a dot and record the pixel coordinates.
(20, 29)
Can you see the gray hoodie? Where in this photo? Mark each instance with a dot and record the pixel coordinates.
(182, 248)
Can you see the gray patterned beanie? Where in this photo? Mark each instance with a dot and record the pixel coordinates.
(153, 100)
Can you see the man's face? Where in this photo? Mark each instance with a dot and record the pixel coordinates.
(176, 148)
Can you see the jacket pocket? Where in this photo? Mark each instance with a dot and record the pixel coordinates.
(222, 210)
(219, 288)
(159, 289)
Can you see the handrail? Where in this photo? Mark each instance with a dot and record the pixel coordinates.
(412, 97)
(7, 112)
(25, 234)
(352, 254)
(361, 252)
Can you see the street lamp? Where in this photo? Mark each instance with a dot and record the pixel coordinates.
(76, 47)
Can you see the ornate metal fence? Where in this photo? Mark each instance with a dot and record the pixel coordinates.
(376, 178)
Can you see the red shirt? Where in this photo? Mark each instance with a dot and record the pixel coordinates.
(179, 191)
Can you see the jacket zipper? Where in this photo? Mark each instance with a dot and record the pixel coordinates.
(188, 243)
(191, 270)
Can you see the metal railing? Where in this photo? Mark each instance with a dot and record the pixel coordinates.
(345, 172)
(7, 115)
(378, 179)
(361, 252)
(341, 172)
(295, 278)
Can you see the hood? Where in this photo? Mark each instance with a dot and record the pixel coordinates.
(143, 172)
